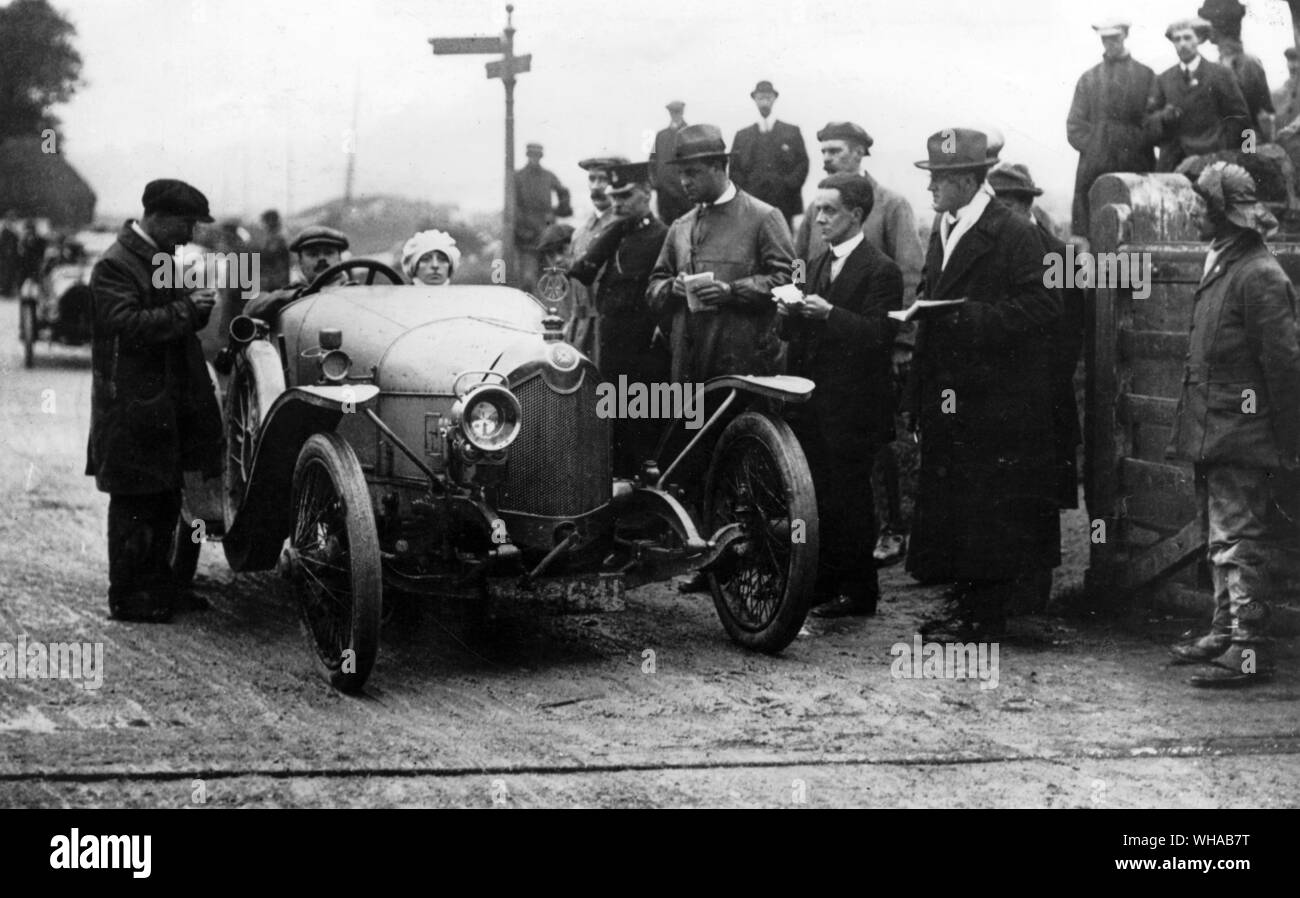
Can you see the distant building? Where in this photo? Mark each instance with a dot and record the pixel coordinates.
(35, 184)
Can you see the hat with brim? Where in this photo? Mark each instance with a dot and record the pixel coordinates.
(675, 106)
(1229, 191)
(1013, 179)
(958, 149)
(763, 87)
(698, 143)
(601, 163)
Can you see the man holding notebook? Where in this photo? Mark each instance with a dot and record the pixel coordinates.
(717, 268)
(981, 397)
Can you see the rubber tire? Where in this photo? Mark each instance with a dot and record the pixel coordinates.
(782, 446)
(258, 378)
(183, 557)
(27, 332)
(332, 452)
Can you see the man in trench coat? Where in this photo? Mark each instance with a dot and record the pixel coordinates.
(153, 409)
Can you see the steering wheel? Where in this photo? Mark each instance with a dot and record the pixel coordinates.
(371, 265)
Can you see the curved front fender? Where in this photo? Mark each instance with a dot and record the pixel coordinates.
(265, 515)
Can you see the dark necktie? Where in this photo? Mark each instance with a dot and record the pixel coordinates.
(1187, 77)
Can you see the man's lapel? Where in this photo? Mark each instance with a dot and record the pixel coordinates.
(973, 244)
(846, 290)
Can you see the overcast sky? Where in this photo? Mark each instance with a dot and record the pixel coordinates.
(251, 100)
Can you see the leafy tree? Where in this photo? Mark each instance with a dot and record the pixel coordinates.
(39, 67)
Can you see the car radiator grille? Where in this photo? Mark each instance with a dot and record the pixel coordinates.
(560, 463)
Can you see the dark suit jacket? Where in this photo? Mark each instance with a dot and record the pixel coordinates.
(848, 354)
(1192, 120)
(771, 166)
(672, 200)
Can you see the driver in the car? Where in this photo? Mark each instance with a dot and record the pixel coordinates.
(317, 248)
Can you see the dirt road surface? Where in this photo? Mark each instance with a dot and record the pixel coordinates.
(651, 706)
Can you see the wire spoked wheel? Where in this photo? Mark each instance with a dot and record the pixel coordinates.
(336, 571)
(759, 478)
(254, 385)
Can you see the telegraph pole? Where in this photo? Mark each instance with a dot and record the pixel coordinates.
(505, 68)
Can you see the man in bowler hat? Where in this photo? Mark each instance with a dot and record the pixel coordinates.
(153, 409)
(769, 160)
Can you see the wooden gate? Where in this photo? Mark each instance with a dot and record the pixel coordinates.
(1137, 348)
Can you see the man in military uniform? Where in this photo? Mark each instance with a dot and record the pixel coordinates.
(153, 410)
(533, 212)
(1238, 422)
(669, 196)
(585, 323)
(624, 255)
(317, 248)
(1105, 120)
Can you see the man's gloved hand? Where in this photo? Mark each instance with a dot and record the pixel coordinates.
(203, 301)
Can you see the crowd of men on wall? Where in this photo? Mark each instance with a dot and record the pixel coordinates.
(979, 372)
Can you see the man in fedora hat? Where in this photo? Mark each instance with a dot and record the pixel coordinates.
(1238, 423)
(534, 186)
(891, 228)
(619, 261)
(744, 243)
(153, 412)
(1225, 18)
(672, 202)
(769, 160)
(981, 398)
(1014, 186)
(1195, 107)
(1105, 120)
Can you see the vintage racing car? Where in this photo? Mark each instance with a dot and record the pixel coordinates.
(443, 440)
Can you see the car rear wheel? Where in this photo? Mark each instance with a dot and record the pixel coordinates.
(759, 478)
(336, 571)
(27, 331)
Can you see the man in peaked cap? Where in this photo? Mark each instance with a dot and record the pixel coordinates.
(671, 200)
(534, 186)
(153, 410)
(1238, 423)
(769, 160)
(619, 261)
(1105, 120)
(317, 247)
(891, 228)
(1195, 107)
(980, 396)
(585, 323)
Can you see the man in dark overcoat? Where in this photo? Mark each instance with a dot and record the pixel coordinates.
(669, 195)
(769, 159)
(981, 397)
(153, 409)
(1105, 120)
(1238, 422)
(623, 256)
(841, 337)
(1195, 107)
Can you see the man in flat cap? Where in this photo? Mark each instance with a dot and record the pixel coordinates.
(622, 257)
(744, 244)
(585, 323)
(670, 199)
(1195, 107)
(317, 247)
(534, 186)
(1105, 120)
(1225, 18)
(769, 160)
(981, 397)
(1238, 423)
(153, 411)
(891, 228)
